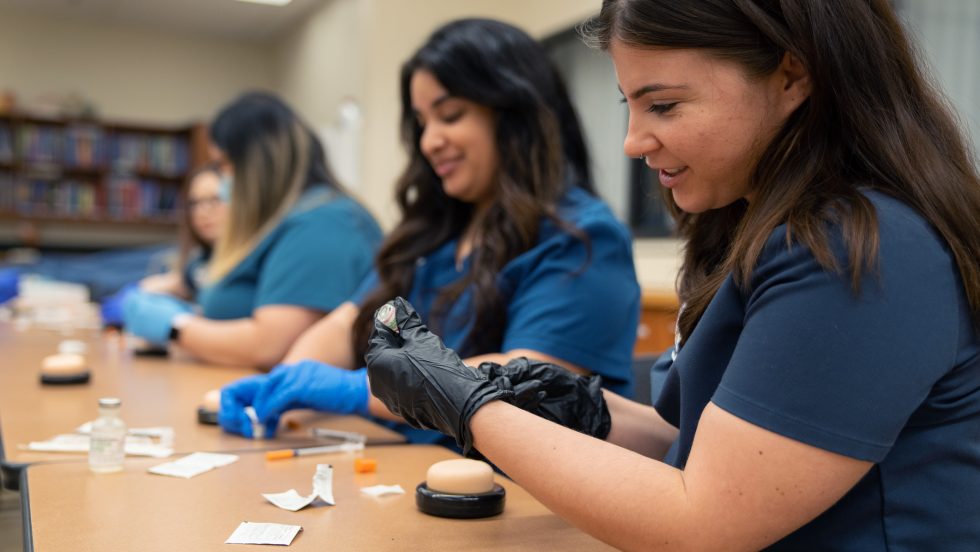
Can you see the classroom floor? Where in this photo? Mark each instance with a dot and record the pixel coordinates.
(11, 538)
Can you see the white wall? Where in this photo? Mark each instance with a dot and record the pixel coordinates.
(948, 37)
(129, 73)
(591, 81)
(319, 68)
(319, 63)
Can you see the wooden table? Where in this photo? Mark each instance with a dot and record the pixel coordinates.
(71, 508)
(155, 391)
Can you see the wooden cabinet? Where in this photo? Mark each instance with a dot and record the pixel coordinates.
(658, 319)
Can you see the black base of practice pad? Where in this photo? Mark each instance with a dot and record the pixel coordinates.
(209, 417)
(73, 379)
(151, 351)
(436, 503)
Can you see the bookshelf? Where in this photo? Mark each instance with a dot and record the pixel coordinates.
(72, 182)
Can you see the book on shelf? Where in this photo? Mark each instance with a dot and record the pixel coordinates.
(39, 144)
(6, 191)
(136, 198)
(6, 143)
(84, 146)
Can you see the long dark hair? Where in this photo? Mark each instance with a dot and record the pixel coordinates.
(241, 125)
(276, 156)
(541, 150)
(872, 120)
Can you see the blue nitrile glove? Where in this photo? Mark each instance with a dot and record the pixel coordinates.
(311, 384)
(9, 279)
(234, 398)
(112, 306)
(151, 315)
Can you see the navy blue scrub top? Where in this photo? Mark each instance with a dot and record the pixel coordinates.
(890, 376)
(560, 302)
(315, 258)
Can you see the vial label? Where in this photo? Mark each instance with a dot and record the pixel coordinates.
(106, 453)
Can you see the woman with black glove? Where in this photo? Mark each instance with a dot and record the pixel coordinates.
(409, 365)
(825, 393)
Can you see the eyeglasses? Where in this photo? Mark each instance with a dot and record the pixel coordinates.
(209, 202)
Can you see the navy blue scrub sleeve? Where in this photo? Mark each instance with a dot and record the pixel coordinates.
(578, 301)
(840, 370)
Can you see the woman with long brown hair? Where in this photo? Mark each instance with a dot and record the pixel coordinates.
(825, 391)
(502, 243)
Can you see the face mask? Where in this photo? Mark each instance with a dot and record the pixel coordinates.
(224, 187)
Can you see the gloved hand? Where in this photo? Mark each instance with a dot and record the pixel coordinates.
(111, 308)
(419, 379)
(234, 398)
(554, 394)
(151, 315)
(9, 280)
(310, 384)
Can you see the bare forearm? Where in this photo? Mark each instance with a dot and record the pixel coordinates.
(261, 340)
(222, 341)
(379, 410)
(638, 427)
(328, 340)
(620, 497)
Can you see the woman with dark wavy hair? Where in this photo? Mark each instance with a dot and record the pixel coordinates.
(825, 390)
(502, 243)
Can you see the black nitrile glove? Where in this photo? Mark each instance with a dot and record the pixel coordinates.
(553, 393)
(419, 379)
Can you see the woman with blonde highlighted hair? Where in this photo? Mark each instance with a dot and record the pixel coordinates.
(294, 246)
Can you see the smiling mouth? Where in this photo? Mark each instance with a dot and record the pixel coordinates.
(444, 168)
(670, 178)
(673, 172)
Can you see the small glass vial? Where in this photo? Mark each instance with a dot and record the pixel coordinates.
(108, 437)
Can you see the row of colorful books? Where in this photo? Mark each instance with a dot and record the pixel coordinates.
(120, 199)
(88, 146)
(163, 154)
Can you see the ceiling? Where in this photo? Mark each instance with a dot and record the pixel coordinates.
(219, 18)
